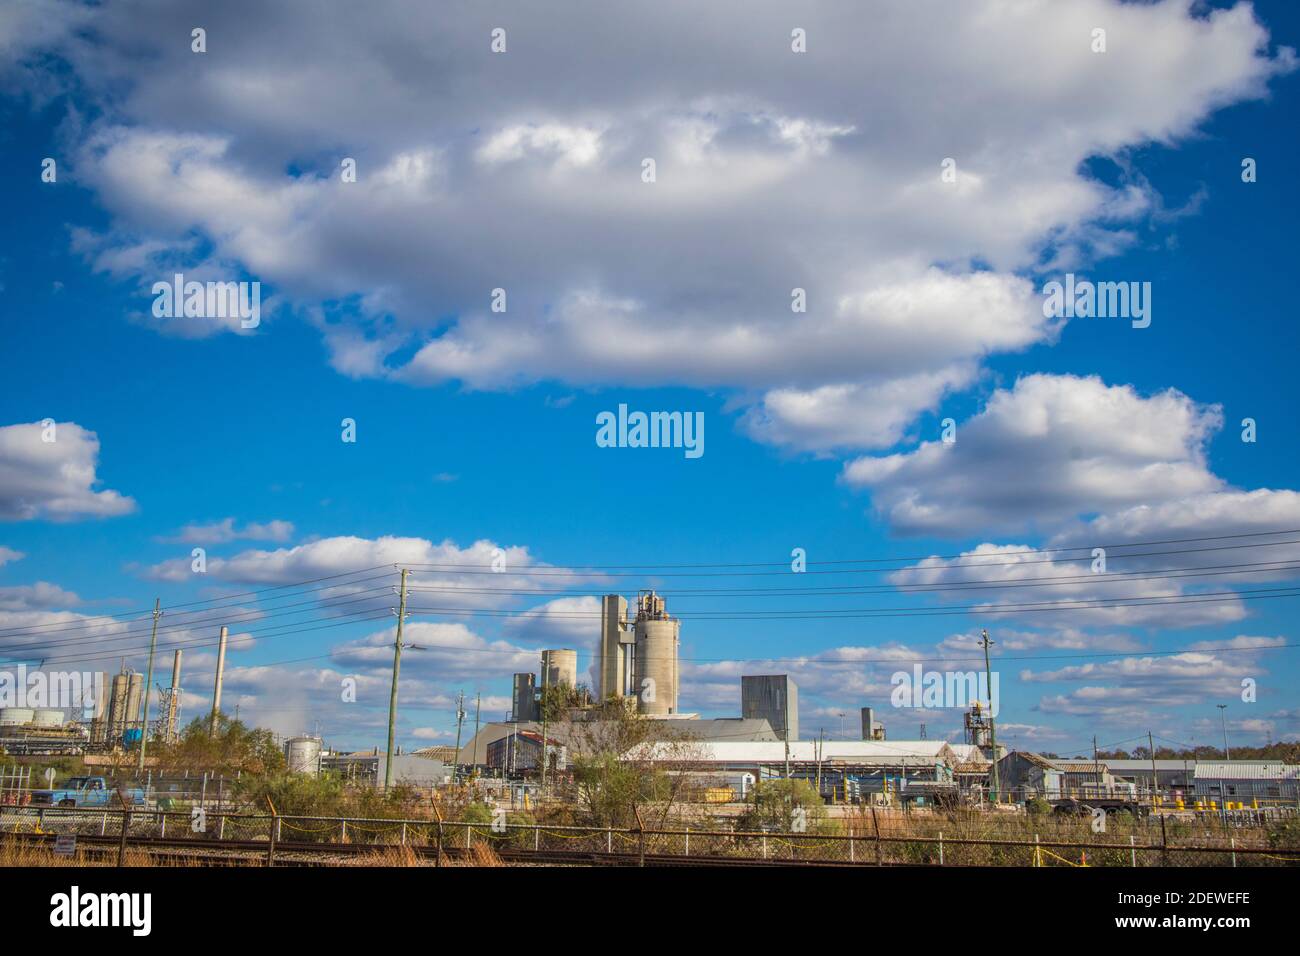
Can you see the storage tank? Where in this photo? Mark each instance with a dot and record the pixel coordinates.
(134, 699)
(302, 755)
(48, 717)
(657, 637)
(559, 667)
(16, 716)
(117, 689)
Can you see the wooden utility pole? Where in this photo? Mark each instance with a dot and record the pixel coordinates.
(1096, 765)
(148, 686)
(1155, 781)
(392, 697)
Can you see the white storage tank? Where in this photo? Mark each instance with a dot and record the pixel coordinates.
(48, 717)
(302, 755)
(16, 716)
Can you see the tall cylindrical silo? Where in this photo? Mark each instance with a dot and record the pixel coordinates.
(560, 667)
(657, 637)
(135, 701)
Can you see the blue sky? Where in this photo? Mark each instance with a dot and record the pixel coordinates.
(474, 428)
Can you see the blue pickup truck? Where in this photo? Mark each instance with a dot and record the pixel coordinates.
(86, 792)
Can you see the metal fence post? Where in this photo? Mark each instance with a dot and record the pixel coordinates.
(941, 848)
(852, 853)
(121, 847)
(343, 834)
(1233, 844)
(103, 823)
(537, 839)
(1133, 853)
(221, 827)
(688, 841)
(403, 834)
(162, 830)
(467, 836)
(876, 823)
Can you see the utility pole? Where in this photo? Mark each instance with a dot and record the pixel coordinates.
(148, 686)
(460, 719)
(392, 697)
(541, 705)
(993, 733)
(821, 738)
(1224, 720)
(1155, 780)
(478, 706)
(1096, 765)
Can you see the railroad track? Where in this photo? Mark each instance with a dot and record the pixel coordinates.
(293, 853)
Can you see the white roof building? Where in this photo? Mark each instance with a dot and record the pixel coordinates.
(880, 753)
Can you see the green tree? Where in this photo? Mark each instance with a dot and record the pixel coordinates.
(791, 805)
(233, 748)
(625, 764)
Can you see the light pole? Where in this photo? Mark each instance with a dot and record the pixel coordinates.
(1224, 720)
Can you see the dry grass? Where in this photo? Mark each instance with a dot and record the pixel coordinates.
(16, 853)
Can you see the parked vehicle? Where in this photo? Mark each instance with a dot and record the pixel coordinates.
(86, 792)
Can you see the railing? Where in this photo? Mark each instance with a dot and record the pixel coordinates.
(613, 844)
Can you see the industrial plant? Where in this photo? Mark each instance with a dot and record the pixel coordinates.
(551, 753)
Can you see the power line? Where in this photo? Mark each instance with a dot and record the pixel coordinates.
(785, 564)
(86, 620)
(566, 572)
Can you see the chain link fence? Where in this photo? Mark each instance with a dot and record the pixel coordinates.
(985, 843)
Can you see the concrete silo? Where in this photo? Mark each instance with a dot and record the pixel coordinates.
(657, 638)
(559, 667)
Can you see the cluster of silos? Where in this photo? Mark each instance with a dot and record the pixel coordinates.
(122, 719)
(639, 659)
(42, 718)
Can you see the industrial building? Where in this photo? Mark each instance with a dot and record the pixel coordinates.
(522, 751)
(774, 698)
(920, 759)
(1028, 775)
(370, 768)
(639, 659)
(1265, 781)
(523, 698)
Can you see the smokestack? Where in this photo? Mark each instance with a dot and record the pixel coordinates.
(173, 698)
(221, 671)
